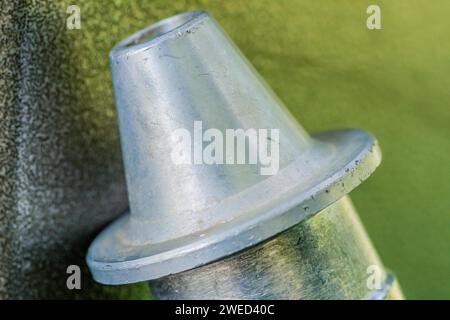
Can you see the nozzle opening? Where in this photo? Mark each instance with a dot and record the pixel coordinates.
(158, 32)
(164, 27)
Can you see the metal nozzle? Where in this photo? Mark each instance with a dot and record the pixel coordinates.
(183, 70)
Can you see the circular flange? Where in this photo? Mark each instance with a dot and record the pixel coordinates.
(337, 162)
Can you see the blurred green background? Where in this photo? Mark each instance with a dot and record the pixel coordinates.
(332, 72)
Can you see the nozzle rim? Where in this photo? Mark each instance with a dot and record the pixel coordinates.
(140, 40)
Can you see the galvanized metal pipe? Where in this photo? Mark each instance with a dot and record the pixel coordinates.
(324, 257)
(228, 231)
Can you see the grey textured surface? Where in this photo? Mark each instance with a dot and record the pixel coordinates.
(60, 167)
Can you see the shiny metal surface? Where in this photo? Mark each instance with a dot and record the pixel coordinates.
(324, 257)
(184, 69)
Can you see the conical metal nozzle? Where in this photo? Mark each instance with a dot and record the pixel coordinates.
(188, 104)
